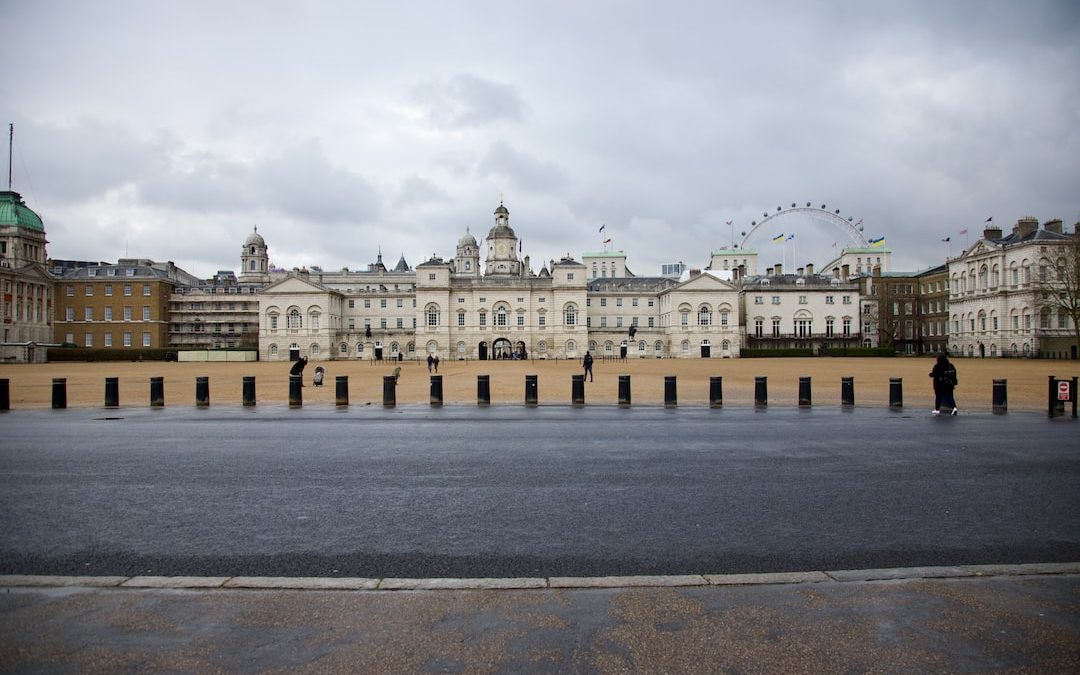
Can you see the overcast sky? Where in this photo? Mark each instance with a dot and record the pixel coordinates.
(167, 130)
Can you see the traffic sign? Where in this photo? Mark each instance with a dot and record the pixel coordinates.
(1063, 390)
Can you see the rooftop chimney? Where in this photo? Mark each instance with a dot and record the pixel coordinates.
(992, 232)
(845, 270)
(768, 272)
(1053, 226)
(1026, 226)
(809, 269)
(779, 269)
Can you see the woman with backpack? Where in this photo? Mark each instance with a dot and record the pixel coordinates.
(944, 378)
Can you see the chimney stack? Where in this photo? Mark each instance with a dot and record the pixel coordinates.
(768, 272)
(992, 232)
(809, 269)
(801, 270)
(1026, 226)
(779, 269)
(1053, 226)
(845, 270)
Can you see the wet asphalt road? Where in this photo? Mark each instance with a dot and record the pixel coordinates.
(515, 491)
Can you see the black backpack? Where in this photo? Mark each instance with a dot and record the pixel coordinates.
(947, 377)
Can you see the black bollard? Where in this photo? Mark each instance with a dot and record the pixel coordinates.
(389, 391)
(157, 392)
(59, 392)
(436, 390)
(202, 392)
(716, 392)
(296, 391)
(531, 395)
(112, 392)
(1000, 397)
(671, 395)
(5, 394)
(577, 389)
(804, 392)
(483, 390)
(248, 389)
(896, 392)
(341, 391)
(624, 390)
(761, 390)
(847, 391)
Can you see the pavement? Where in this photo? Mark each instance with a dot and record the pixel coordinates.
(538, 540)
(1014, 618)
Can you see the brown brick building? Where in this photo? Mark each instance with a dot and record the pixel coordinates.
(121, 306)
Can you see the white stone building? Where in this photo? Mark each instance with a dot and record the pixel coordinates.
(992, 297)
(499, 308)
(803, 310)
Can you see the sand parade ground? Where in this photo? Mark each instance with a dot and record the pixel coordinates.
(1027, 381)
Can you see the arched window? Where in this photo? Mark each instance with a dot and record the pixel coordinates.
(571, 348)
(570, 317)
(461, 348)
(294, 319)
(658, 347)
(394, 349)
(500, 315)
(704, 317)
(685, 346)
(313, 321)
(272, 321)
(272, 351)
(343, 349)
(641, 346)
(432, 314)
(313, 350)
(609, 348)
(360, 349)
(725, 346)
(542, 347)
(592, 345)
(432, 347)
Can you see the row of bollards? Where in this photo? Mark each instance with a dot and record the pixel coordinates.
(1060, 392)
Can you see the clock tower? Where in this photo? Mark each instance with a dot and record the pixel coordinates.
(502, 246)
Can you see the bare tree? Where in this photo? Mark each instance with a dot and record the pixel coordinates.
(1059, 290)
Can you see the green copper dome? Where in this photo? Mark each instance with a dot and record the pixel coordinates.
(14, 212)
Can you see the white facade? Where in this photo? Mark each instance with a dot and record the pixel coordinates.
(448, 308)
(802, 311)
(992, 295)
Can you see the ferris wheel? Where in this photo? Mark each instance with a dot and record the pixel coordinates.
(821, 216)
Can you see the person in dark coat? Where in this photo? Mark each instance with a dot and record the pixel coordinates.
(298, 366)
(944, 378)
(587, 362)
(435, 362)
(430, 362)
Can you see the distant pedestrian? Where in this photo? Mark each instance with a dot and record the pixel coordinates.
(430, 362)
(944, 378)
(587, 362)
(435, 362)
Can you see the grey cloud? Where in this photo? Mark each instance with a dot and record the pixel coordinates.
(468, 101)
(524, 169)
(416, 191)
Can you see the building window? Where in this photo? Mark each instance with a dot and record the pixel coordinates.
(88, 340)
(273, 322)
(724, 318)
(352, 304)
(294, 319)
(461, 318)
(146, 290)
(431, 277)
(684, 319)
(651, 322)
(127, 290)
(70, 291)
(802, 299)
(145, 313)
(704, 317)
(108, 290)
(828, 328)
(500, 316)
(89, 313)
(541, 320)
(776, 328)
(89, 290)
(776, 299)
(108, 339)
(127, 339)
(108, 313)
(571, 319)
(367, 303)
(603, 302)
(520, 319)
(847, 299)
(432, 315)
(847, 327)
(483, 318)
(146, 339)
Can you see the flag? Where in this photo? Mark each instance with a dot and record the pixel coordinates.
(779, 237)
(790, 237)
(989, 219)
(947, 239)
(607, 241)
(880, 241)
(963, 231)
(603, 226)
(728, 222)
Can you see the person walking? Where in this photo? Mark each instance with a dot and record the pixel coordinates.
(430, 361)
(587, 362)
(944, 378)
(435, 362)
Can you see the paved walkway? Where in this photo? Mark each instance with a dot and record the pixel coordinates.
(1021, 618)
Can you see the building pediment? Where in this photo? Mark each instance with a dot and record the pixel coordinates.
(295, 284)
(704, 282)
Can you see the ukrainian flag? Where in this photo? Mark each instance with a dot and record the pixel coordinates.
(779, 237)
(880, 241)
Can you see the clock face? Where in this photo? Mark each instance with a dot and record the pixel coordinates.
(501, 249)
